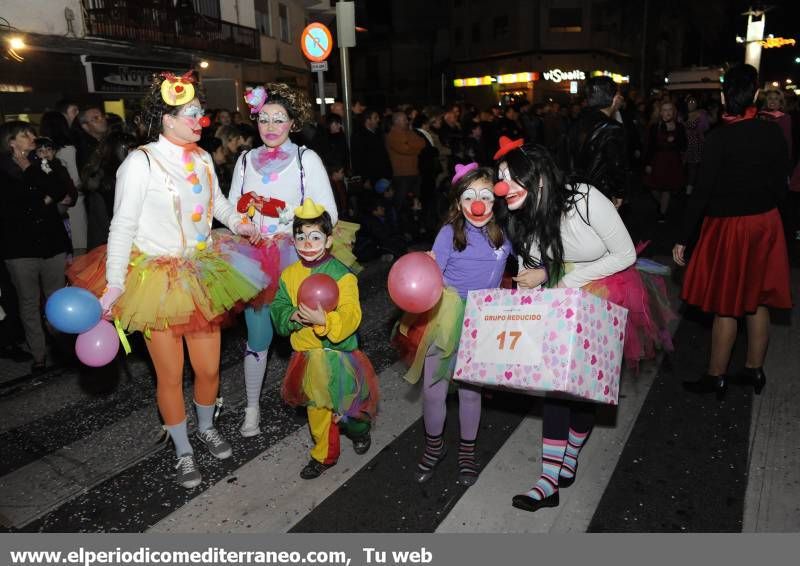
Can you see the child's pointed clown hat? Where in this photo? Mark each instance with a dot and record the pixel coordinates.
(309, 210)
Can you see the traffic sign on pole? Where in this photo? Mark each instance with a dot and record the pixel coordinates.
(316, 42)
(321, 66)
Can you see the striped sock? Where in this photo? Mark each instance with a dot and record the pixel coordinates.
(574, 443)
(466, 458)
(434, 445)
(552, 458)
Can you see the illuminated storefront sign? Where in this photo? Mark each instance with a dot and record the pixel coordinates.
(508, 78)
(557, 75)
(474, 81)
(616, 77)
(517, 78)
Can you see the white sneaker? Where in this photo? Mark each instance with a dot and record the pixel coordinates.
(252, 418)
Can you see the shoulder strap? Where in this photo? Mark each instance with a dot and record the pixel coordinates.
(146, 154)
(300, 152)
(244, 170)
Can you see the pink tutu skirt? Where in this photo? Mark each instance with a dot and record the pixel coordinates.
(649, 313)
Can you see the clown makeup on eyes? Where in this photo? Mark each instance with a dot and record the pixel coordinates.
(274, 125)
(311, 243)
(477, 202)
(186, 125)
(516, 194)
(192, 111)
(278, 118)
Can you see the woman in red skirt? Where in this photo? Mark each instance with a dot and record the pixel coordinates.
(740, 266)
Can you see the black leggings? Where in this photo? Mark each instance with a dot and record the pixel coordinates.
(559, 415)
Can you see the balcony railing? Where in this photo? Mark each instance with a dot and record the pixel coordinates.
(159, 22)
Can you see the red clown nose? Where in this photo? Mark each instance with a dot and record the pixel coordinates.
(205, 122)
(477, 208)
(501, 189)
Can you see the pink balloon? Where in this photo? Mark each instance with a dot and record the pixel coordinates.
(415, 282)
(98, 346)
(319, 289)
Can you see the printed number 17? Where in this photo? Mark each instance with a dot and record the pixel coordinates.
(515, 335)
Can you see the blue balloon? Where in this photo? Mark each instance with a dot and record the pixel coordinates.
(73, 310)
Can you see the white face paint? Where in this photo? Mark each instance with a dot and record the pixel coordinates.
(185, 127)
(517, 194)
(477, 203)
(311, 243)
(274, 125)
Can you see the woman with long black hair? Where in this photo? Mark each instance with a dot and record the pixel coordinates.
(569, 235)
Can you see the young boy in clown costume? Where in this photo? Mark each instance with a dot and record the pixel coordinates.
(327, 372)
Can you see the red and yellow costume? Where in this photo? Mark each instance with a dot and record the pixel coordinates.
(327, 372)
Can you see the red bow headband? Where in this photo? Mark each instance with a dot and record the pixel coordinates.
(187, 77)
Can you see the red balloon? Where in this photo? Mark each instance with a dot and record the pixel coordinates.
(415, 282)
(319, 290)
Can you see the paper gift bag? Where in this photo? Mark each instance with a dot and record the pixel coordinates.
(564, 342)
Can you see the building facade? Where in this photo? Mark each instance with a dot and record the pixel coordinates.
(106, 50)
(539, 50)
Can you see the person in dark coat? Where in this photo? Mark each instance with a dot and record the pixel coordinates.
(370, 158)
(34, 240)
(596, 149)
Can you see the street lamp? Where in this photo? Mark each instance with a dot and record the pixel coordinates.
(15, 44)
(204, 64)
(756, 19)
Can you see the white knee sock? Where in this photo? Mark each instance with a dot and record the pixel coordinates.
(255, 366)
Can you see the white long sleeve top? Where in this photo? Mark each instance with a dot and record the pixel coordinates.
(284, 185)
(598, 248)
(161, 209)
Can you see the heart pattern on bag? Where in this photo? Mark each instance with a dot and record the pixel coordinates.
(581, 353)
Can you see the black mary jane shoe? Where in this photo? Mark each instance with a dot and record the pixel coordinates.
(422, 477)
(565, 482)
(362, 443)
(708, 384)
(466, 479)
(528, 503)
(314, 469)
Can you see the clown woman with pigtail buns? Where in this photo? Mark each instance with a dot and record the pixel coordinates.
(269, 182)
(471, 250)
(164, 273)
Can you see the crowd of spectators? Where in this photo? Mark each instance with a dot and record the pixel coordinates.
(394, 183)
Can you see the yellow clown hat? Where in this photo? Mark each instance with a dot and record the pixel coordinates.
(309, 210)
(177, 91)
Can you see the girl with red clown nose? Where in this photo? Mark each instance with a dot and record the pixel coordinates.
(569, 235)
(471, 251)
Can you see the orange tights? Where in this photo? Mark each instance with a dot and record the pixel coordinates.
(166, 351)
